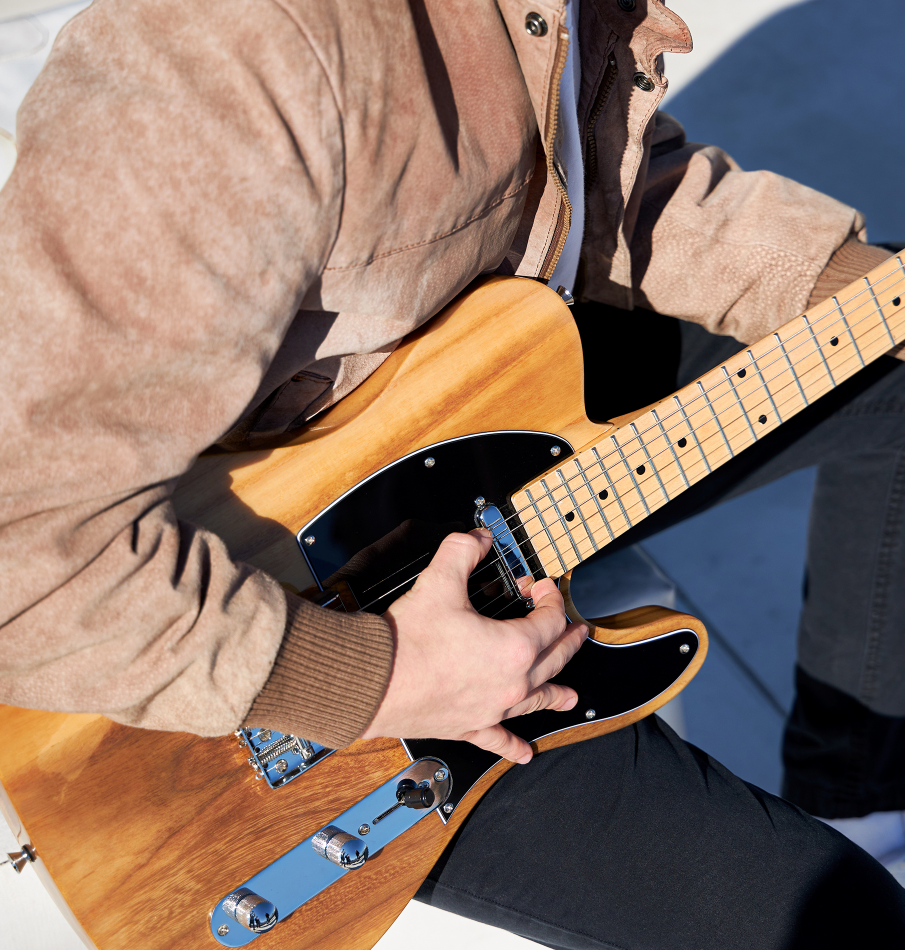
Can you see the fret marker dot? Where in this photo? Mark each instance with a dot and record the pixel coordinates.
(640, 469)
(570, 516)
(761, 419)
(604, 495)
(834, 341)
(682, 443)
(741, 373)
(896, 301)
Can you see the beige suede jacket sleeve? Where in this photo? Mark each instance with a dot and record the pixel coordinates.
(178, 188)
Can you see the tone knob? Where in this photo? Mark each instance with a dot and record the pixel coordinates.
(252, 911)
(340, 847)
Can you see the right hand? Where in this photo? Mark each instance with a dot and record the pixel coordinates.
(456, 673)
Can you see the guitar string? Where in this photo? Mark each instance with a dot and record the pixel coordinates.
(622, 477)
(836, 313)
(538, 549)
(724, 382)
(637, 438)
(619, 478)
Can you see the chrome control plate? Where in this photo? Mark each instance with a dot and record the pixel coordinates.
(302, 873)
(279, 757)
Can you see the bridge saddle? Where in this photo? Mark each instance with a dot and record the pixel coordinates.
(279, 757)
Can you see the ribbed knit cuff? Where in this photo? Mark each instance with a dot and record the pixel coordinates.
(853, 260)
(329, 677)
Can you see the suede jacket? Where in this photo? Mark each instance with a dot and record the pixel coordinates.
(225, 213)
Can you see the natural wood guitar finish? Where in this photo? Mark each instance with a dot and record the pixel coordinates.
(142, 832)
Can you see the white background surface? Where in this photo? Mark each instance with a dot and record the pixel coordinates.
(770, 116)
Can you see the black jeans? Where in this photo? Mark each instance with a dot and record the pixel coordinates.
(640, 840)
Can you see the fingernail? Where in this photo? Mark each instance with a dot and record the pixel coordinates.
(525, 759)
(569, 704)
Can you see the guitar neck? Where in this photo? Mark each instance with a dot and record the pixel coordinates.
(593, 497)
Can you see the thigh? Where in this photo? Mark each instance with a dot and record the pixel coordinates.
(640, 841)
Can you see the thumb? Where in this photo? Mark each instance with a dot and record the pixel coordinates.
(457, 556)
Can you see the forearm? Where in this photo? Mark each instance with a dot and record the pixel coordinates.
(738, 252)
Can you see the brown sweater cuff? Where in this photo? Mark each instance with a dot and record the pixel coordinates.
(329, 677)
(853, 260)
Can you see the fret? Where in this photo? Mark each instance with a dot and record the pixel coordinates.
(764, 383)
(577, 508)
(593, 495)
(672, 449)
(716, 419)
(543, 524)
(694, 434)
(603, 468)
(873, 297)
(849, 329)
(782, 347)
(739, 401)
(826, 365)
(650, 461)
(561, 517)
(631, 474)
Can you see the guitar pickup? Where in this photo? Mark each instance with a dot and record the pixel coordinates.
(511, 562)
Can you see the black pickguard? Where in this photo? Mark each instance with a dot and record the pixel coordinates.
(374, 540)
(378, 536)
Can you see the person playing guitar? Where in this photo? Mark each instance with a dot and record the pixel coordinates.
(224, 217)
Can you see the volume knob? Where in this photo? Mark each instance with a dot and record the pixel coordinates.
(340, 847)
(253, 912)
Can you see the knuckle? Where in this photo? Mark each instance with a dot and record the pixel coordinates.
(512, 695)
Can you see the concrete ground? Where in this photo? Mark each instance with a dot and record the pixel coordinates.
(808, 89)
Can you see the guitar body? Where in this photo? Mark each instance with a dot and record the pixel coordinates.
(141, 835)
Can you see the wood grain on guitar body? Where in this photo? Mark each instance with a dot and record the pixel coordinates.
(145, 838)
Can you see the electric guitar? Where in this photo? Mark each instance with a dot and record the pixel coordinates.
(166, 841)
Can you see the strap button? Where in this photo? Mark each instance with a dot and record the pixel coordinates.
(644, 83)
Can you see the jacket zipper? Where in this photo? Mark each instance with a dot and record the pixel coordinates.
(606, 87)
(564, 218)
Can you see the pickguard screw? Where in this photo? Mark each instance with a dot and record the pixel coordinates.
(264, 735)
(429, 462)
(440, 775)
(448, 809)
(281, 766)
(555, 451)
(684, 648)
(363, 829)
(223, 930)
(309, 540)
(590, 713)
(479, 501)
